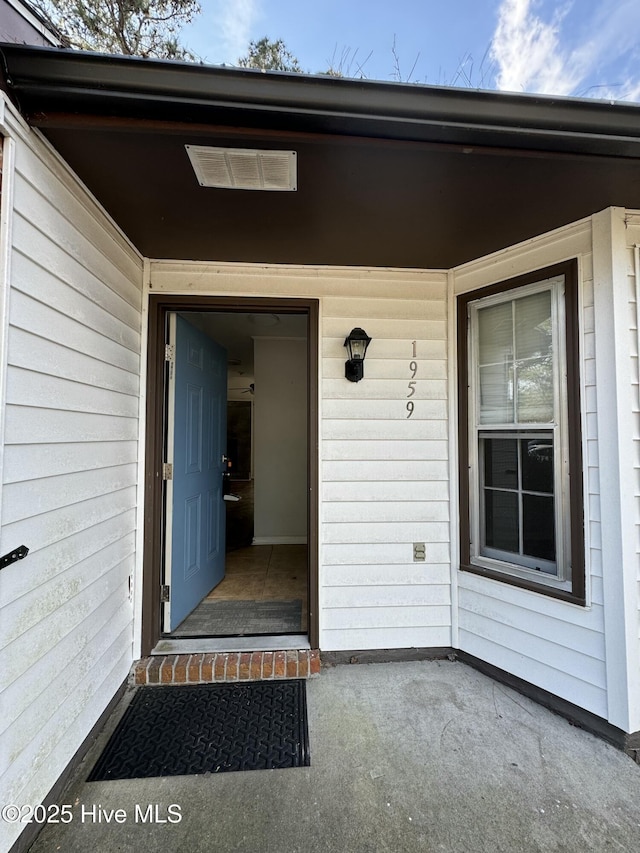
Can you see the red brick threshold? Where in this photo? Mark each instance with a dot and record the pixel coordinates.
(226, 666)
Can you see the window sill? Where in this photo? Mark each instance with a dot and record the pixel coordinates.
(525, 583)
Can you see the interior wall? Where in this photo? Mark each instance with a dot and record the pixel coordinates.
(280, 441)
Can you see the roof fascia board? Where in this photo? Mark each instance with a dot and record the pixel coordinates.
(132, 124)
(45, 78)
(469, 140)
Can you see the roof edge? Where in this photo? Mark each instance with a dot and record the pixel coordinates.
(53, 79)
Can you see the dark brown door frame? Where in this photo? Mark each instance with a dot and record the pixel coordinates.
(159, 306)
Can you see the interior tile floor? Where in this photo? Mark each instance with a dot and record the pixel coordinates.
(264, 573)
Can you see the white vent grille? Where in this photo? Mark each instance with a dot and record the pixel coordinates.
(243, 168)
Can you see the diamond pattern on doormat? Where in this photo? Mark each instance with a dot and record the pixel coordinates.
(208, 728)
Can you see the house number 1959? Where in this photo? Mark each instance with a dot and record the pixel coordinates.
(413, 367)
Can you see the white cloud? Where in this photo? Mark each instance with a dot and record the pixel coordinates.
(535, 55)
(528, 54)
(233, 22)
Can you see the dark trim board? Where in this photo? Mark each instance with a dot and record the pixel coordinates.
(568, 269)
(159, 306)
(28, 836)
(386, 655)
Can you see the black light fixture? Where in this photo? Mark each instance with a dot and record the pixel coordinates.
(356, 344)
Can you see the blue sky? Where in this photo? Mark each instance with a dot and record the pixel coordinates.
(584, 48)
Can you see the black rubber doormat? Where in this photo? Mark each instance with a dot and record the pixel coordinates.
(208, 728)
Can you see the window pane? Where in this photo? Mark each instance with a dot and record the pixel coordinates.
(495, 334)
(500, 462)
(501, 520)
(538, 527)
(533, 326)
(496, 394)
(535, 391)
(537, 464)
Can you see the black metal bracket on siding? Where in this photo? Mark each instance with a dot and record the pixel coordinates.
(17, 554)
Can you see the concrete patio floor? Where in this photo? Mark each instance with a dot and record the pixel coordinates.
(423, 756)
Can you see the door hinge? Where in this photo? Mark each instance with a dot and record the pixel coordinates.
(170, 357)
(164, 593)
(167, 471)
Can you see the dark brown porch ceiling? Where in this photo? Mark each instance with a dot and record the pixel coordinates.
(436, 180)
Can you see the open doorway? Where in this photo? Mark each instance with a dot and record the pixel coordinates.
(237, 440)
(266, 534)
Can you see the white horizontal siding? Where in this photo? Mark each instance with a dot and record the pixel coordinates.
(377, 637)
(384, 470)
(385, 511)
(371, 576)
(38, 319)
(347, 553)
(384, 430)
(559, 647)
(552, 628)
(386, 532)
(373, 467)
(25, 500)
(61, 360)
(69, 470)
(50, 460)
(388, 595)
(397, 491)
(402, 450)
(40, 425)
(385, 409)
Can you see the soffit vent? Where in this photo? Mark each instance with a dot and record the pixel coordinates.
(243, 168)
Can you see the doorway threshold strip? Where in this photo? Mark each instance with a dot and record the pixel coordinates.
(212, 645)
(208, 728)
(215, 667)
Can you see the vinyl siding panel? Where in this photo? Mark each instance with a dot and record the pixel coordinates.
(556, 646)
(421, 609)
(633, 240)
(69, 470)
(384, 477)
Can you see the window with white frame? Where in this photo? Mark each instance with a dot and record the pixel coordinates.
(521, 500)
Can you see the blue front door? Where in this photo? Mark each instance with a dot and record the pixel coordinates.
(197, 437)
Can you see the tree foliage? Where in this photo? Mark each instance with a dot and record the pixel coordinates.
(268, 55)
(147, 28)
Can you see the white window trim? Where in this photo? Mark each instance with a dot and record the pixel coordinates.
(559, 429)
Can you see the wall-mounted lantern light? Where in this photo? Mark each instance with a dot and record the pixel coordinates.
(356, 345)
